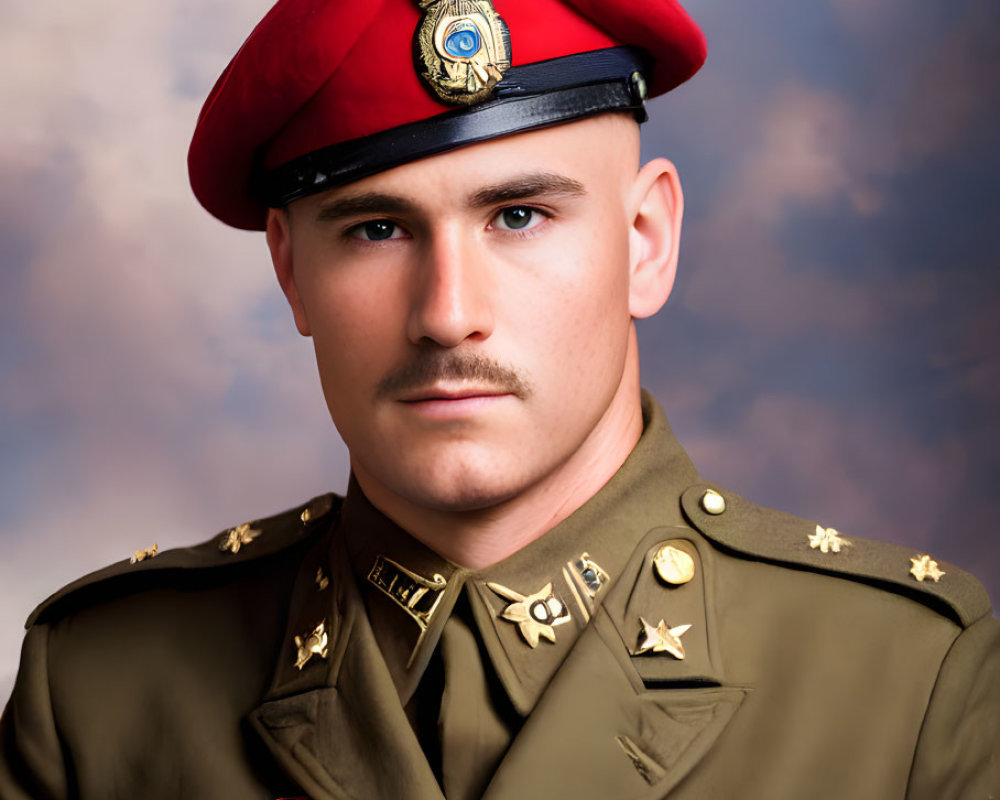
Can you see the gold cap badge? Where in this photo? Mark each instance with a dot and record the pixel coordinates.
(463, 47)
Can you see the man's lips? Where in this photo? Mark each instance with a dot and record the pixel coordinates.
(445, 394)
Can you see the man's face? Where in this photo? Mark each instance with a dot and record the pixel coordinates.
(471, 312)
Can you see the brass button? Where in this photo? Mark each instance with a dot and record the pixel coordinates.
(673, 565)
(713, 503)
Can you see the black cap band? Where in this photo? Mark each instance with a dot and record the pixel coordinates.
(529, 97)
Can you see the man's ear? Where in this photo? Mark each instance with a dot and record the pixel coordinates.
(279, 242)
(656, 207)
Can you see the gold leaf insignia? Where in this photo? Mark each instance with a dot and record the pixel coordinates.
(321, 580)
(827, 540)
(142, 555)
(235, 538)
(316, 509)
(925, 567)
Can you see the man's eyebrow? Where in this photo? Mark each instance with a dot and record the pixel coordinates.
(363, 204)
(524, 186)
(519, 188)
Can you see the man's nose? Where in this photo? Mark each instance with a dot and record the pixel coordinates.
(452, 292)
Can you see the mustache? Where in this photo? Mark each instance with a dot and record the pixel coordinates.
(430, 366)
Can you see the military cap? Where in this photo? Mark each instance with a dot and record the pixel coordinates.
(325, 92)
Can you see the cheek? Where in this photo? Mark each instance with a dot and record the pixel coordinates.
(593, 291)
(576, 314)
(353, 330)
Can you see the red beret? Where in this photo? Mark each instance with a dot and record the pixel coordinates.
(325, 92)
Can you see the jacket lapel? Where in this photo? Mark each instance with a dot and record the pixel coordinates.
(624, 726)
(337, 727)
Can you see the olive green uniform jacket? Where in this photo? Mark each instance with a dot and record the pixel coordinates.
(814, 668)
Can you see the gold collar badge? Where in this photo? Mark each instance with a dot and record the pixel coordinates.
(463, 49)
(585, 579)
(315, 644)
(416, 595)
(535, 614)
(588, 574)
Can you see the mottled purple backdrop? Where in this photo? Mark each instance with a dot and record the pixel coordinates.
(831, 346)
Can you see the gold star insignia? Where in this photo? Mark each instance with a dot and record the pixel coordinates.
(235, 538)
(827, 540)
(142, 555)
(925, 567)
(315, 644)
(535, 614)
(661, 639)
(321, 580)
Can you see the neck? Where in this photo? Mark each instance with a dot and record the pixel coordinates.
(481, 537)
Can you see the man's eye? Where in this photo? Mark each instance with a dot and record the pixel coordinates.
(377, 230)
(518, 218)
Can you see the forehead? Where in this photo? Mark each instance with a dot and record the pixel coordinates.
(590, 152)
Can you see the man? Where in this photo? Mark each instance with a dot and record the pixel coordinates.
(528, 591)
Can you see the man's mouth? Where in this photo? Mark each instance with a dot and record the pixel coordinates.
(446, 394)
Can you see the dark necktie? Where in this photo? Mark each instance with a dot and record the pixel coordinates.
(472, 732)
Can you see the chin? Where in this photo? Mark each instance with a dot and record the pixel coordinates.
(465, 498)
(465, 490)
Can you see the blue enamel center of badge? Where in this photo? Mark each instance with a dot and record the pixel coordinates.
(463, 41)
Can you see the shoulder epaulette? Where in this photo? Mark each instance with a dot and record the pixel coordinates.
(248, 542)
(764, 534)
